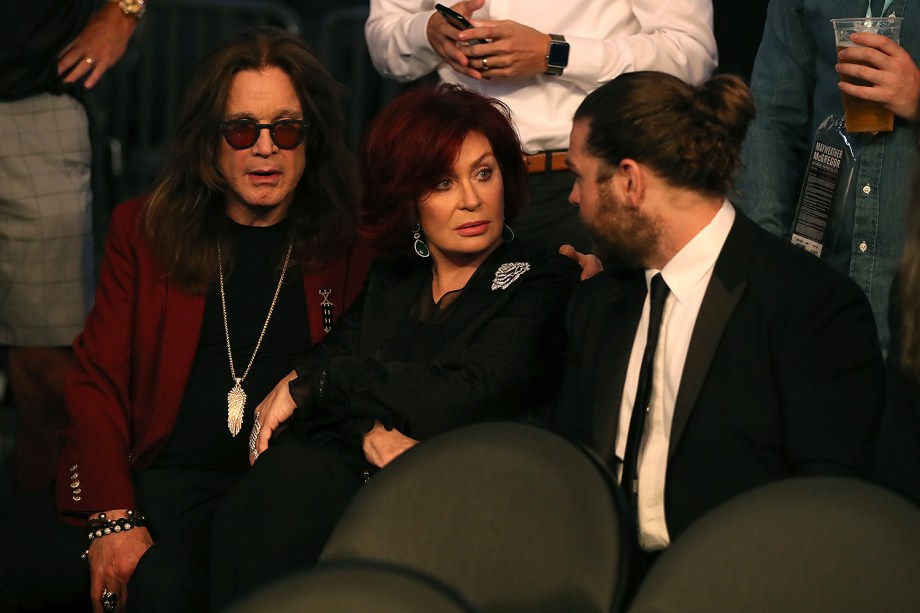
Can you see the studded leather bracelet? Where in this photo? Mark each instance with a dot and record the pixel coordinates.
(101, 526)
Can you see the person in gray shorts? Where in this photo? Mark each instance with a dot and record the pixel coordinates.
(51, 50)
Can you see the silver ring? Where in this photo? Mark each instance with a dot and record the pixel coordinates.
(109, 600)
(89, 60)
(254, 437)
(485, 63)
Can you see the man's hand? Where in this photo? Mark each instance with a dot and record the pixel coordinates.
(514, 50)
(444, 38)
(893, 77)
(590, 264)
(112, 560)
(98, 47)
(382, 446)
(272, 412)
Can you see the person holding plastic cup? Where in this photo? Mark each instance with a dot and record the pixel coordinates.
(798, 79)
(878, 78)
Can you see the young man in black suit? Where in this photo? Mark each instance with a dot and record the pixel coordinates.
(760, 361)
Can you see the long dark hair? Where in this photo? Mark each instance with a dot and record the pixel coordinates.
(690, 136)
(185, 213)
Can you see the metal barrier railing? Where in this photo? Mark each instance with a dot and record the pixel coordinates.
(344, 52)
(135, 111)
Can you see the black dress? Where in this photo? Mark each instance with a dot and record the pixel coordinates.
(492, 351)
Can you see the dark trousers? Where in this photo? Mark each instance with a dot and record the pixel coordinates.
(549, 221)
(173, 575)
(42, 569)
(278, 518)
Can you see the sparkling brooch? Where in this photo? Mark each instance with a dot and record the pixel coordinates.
(508, 273)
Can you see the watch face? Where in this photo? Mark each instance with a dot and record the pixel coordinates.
(558, 54)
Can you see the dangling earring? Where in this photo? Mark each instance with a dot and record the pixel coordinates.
(421, 249)
(507, 233)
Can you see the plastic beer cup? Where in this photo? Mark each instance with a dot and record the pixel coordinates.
(865, 115)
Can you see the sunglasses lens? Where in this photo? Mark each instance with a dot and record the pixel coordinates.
(241, 134)
(288, 134)
(244, 133)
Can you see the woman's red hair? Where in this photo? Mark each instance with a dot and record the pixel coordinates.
(413, 142)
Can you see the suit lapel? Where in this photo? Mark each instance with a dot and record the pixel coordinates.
(325, 293)
(614, 346)
(184, 314)
(727, 285)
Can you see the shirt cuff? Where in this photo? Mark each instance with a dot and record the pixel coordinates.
(589, 66)
(417, 38)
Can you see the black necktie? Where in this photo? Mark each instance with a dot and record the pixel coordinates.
(629, 480)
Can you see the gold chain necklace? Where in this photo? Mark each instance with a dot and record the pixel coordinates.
(236, 398)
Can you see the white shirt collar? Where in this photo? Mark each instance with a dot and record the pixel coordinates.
(692, 263)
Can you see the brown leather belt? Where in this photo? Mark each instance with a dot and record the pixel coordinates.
(545, 161)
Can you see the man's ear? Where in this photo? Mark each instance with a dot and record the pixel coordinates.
(633, 181)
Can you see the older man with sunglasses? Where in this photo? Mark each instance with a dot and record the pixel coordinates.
(239, 260)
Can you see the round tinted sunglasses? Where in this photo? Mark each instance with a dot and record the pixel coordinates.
(243, 133)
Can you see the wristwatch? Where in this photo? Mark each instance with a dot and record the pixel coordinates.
(132, 8)
(557, 58)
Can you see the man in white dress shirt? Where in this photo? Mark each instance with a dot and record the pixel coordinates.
(726, 358)
(541, 59)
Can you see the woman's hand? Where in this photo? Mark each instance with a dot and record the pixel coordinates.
(112, 559)
(382, 446)
(271, 413)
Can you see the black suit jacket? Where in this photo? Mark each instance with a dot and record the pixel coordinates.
(783, 373)
(500, 355)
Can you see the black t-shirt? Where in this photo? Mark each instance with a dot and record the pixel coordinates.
(32, 34)
(201, 438)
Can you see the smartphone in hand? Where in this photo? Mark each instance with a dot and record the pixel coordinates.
(457, 20)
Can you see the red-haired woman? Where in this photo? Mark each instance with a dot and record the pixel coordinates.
(461, 324)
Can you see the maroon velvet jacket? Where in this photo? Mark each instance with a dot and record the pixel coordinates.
(133, 360)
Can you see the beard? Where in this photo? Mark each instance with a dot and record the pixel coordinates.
(625, 237)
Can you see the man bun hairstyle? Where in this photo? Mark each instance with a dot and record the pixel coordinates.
(690, 136)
